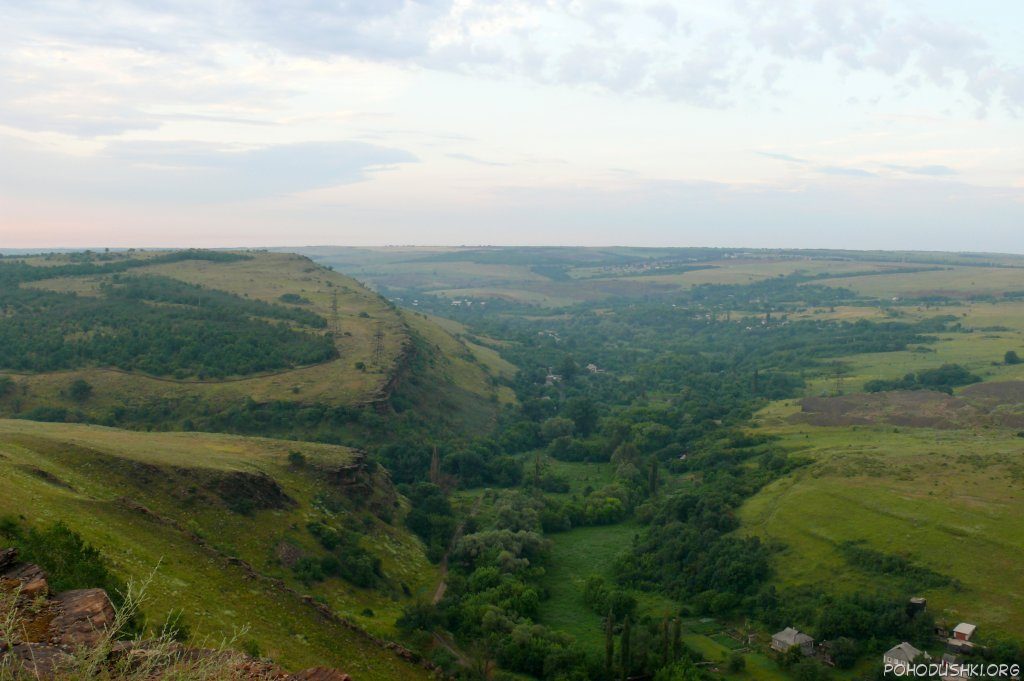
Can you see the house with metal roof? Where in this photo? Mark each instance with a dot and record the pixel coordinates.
(790, 638)
(903, 655)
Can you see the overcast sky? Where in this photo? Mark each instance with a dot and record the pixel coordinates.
(838, 123)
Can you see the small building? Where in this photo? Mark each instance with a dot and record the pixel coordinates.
(917, 605)
(964, 631)
(790, 638)
(903, 655)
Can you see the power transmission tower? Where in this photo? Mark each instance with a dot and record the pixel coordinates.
(335, 320)
(839, 378)
(378, 345)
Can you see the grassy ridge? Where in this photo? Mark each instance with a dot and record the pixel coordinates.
(373, 340)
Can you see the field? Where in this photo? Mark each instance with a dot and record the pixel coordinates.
(575, 556)
(155, 504)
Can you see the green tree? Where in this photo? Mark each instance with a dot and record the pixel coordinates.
(609, 644)
(79, 390)
(1011, 357)
(624, 649)
(559, 426)
(737, 663)
(583, 413)
(677, 639)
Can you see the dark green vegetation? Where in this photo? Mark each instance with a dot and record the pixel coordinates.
(69, 562)
(943, 379)
(158, 326)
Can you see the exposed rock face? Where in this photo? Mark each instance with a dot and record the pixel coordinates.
(8, 557)
(245, 491)
(31, 577)
(84, 616)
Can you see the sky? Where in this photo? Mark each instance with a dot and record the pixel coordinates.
(759, 123)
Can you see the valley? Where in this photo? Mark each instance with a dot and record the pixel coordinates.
(713, 442)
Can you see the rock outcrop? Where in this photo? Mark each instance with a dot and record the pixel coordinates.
(52, 629)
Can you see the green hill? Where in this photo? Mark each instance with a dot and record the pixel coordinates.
(224, 524)
(246, 342)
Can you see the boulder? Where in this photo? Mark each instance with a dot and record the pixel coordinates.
(40, 661)
(84, 616)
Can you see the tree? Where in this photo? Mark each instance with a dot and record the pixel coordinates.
(737, 663)
(677, 639)
(79, 390)
(1011, 357)
(568, 368)
(556, 427)
(652, 479)
(666, 643)
(583, 413)
(624, 653)
(609, 644)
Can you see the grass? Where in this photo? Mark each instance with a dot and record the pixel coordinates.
(575, 556)
(90, 471)
(948, 500)
(956, 282)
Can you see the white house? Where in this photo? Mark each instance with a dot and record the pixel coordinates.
(964, 631)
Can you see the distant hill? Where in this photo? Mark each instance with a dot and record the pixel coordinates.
(557, 276)
(245, 342)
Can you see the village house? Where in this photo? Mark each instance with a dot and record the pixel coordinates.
(903, 655)
(964, 631)
(790, 638)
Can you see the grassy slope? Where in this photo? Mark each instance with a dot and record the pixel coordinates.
(950, 500)
(93, 469)
(361, 315)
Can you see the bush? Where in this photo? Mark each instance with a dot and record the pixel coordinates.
(1011, 357)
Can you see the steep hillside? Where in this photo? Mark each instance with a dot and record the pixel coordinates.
(253, 342)
(300, 543)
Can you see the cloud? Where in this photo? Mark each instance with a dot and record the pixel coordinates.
(781, 157)
(189, 172)
(932, 170)
(101, 70)
(849, 172)
(473, 159)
